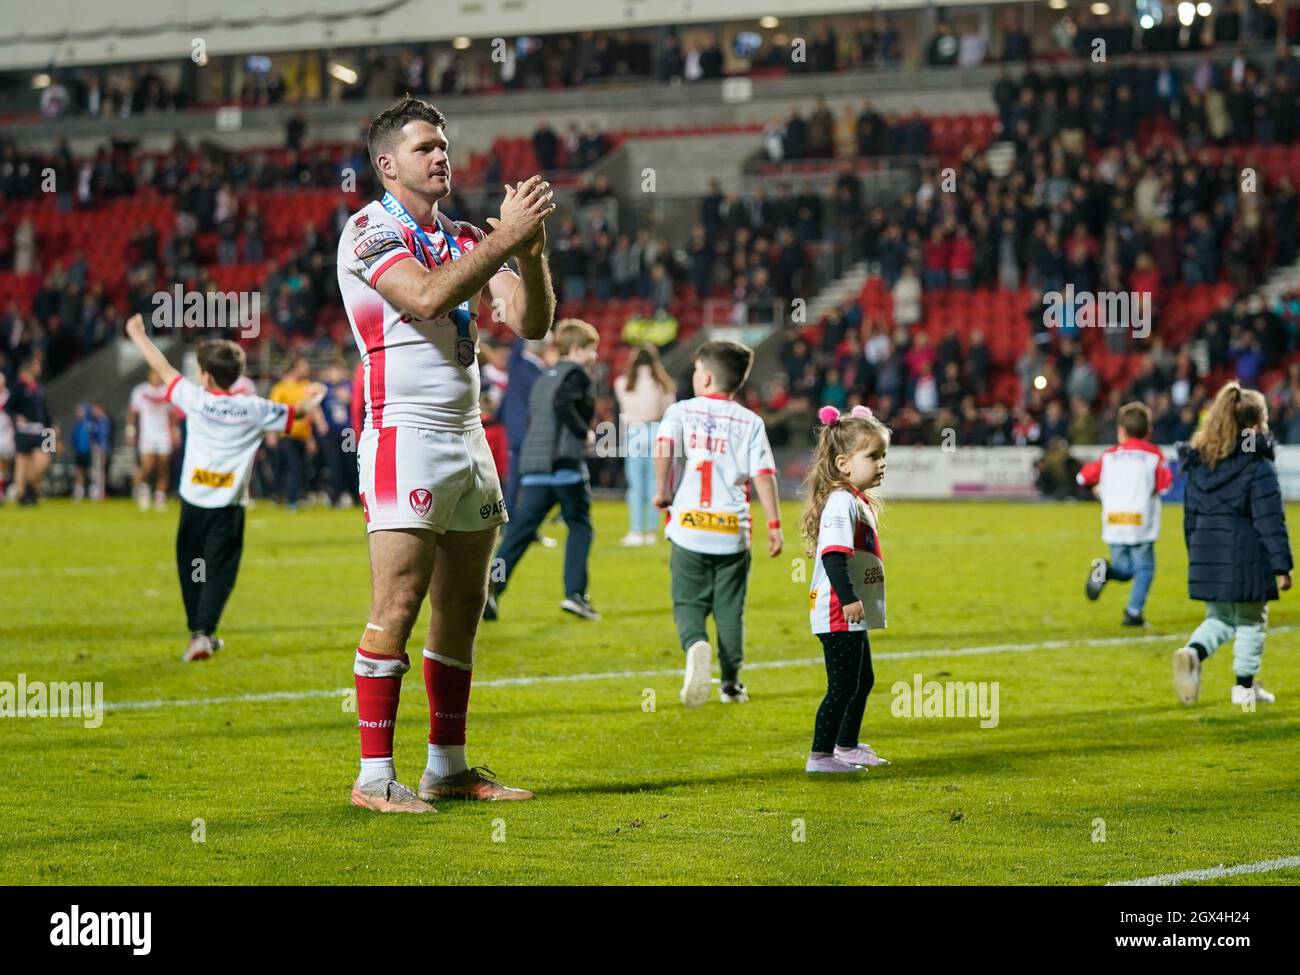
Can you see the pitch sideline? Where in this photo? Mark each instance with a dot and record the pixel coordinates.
(626, 674)
(1210, 873)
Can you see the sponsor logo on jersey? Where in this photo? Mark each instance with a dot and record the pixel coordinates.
(212, 479)
(421, 501)
(1124, 518)
(373, 247)
(710, 521)
(362, 220)
(812, 600)
(873, 576)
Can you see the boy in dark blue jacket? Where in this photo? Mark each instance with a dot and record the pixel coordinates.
(1238, 553)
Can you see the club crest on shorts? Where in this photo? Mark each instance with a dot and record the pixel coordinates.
(421, 501)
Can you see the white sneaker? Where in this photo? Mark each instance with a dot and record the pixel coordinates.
(1244, 696)
(697, 683)
(631, 540)
(733, 692)
(579, 604)
(201, 647)
(829, 763)
(860, 754)
(649, 538)
(1187, 675)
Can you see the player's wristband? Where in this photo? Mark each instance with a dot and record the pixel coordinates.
(773, 524)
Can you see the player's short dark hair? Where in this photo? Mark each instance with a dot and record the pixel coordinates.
(389, 122)
(729, 362)
(222, 360)
(1134, 419)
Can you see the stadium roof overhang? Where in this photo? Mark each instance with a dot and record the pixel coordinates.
(86, 32)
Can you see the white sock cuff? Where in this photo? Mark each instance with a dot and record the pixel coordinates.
(375, 666)
(449, 661)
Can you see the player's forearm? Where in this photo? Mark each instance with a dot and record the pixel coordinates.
(765, 485)
(459, 281)
(154, 357)
(532, 306)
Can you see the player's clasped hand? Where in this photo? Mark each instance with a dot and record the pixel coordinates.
(524, 208)
(854, 612)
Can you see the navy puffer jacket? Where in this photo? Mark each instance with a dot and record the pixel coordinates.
(1235, 525)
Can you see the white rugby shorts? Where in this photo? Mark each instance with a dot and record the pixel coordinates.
(155, 445)
(415, 478)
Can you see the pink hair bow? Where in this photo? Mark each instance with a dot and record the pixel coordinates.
(830, 415)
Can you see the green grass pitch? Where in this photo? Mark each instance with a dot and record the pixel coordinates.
(1088, 732)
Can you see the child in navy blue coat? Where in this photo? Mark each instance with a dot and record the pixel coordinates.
(1238, 553)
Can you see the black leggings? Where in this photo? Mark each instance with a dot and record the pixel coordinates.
(209, 544)
(849, 679)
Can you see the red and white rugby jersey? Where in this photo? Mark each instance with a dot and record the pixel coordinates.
(151, 405)
(222, 434)
(1132, 475)
(719, 445)
(412, 376)
(848, 525)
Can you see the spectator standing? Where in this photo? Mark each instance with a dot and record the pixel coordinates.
(336, 449)
(644, 392)
(31, 420)
(295, 447)
(907, 299)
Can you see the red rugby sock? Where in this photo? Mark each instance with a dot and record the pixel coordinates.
(379, 686)
(448, 690)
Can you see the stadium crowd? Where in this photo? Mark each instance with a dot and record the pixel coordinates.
(1110, 189)
(1086, 203)
(219, 223)
(687, 54)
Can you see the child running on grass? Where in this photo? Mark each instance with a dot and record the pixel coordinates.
(1238, 553)
(223, 430)
(1128, 478)
(848, 584)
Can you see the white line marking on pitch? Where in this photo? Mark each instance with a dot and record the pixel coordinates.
(1211, 873)
(676, 671)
